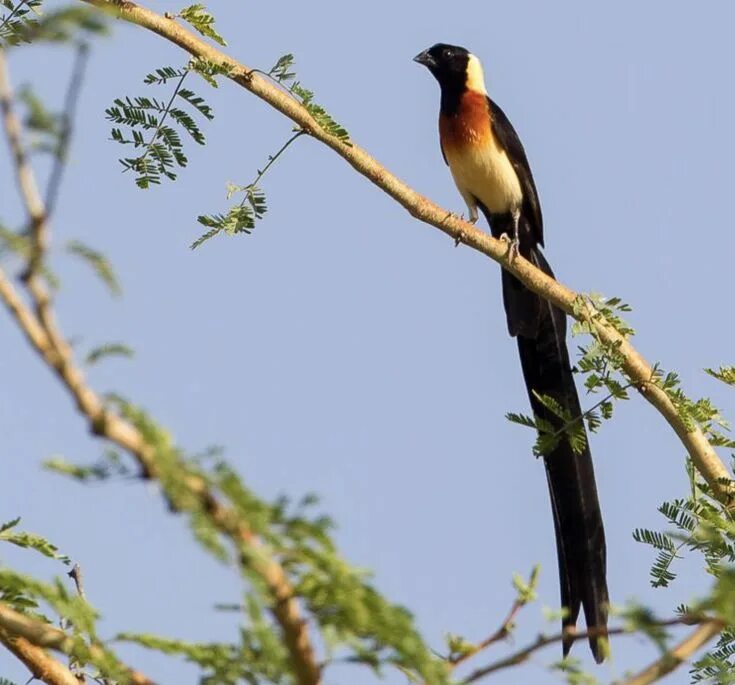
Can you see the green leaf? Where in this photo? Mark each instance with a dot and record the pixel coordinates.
(655, 539)
(726, 374)
(197, 102)
(527, 589)
(239, 219)
(458, 646)
(209, 70)
(184, 120)
(99, 264)
(110, 465)
(108, 350)
(17, 243)
(198, 16)
(63, 25)
(9, 524)
(17, 24)
(38, 118)
(521, 420)
(322, 117)
(29, 541)
(554, 406)
(163, 75)
(208, 536)
(162, 151)
(280, 71)
(75, 612)
(573, 673)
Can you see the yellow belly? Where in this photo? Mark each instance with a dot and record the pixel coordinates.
(485, 173)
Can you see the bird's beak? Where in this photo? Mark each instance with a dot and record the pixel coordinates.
(426, 59)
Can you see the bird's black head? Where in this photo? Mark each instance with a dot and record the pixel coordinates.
(448, 64)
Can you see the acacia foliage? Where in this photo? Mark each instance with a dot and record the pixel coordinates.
(353, 620)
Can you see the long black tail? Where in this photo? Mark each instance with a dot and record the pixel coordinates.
(540, 329)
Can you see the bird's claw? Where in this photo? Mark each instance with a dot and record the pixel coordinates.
(513, 245)
(459, 238)
(470, 219)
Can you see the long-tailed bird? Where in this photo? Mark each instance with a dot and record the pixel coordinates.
(491, 171)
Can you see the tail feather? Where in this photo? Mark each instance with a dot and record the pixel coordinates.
(540, 330)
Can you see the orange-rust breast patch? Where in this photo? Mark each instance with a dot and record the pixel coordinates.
(470, 125)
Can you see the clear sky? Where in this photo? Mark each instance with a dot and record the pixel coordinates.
(348, 350)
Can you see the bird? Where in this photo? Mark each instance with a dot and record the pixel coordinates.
(491, 171)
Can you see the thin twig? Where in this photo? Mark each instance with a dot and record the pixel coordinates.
(250, 188)
(273, 158)
(545, 640)
(500, 634)
(503, 630)
(24, 174)
(67, 126)
(634, 365)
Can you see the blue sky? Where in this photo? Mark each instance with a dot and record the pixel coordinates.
(348, 350)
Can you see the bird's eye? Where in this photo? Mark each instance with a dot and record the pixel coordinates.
(446, 53)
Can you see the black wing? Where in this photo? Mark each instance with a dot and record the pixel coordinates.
(509, 140)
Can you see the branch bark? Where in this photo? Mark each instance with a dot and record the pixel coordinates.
(707, 629)
(677, 656)
(27, 638)
(638, 370)
(42, 666)
(44, 335)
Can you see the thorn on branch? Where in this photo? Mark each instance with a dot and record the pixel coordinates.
(76, 575)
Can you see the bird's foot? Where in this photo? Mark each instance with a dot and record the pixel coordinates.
(471, 219)
(513, 245)
(459, 238)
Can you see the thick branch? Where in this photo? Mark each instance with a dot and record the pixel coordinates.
(635, 366)
(42, 666)
(678, 655)
(45, 337)
(18, 631)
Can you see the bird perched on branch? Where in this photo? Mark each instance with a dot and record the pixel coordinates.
(491, 171)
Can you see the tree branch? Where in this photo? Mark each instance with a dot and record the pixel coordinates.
(45, 337)
(709, 627)
(635, 366)
(20, 633)
(500, 633)
(67, 126)
(24, 174)
(678, 655)
(42, 666)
